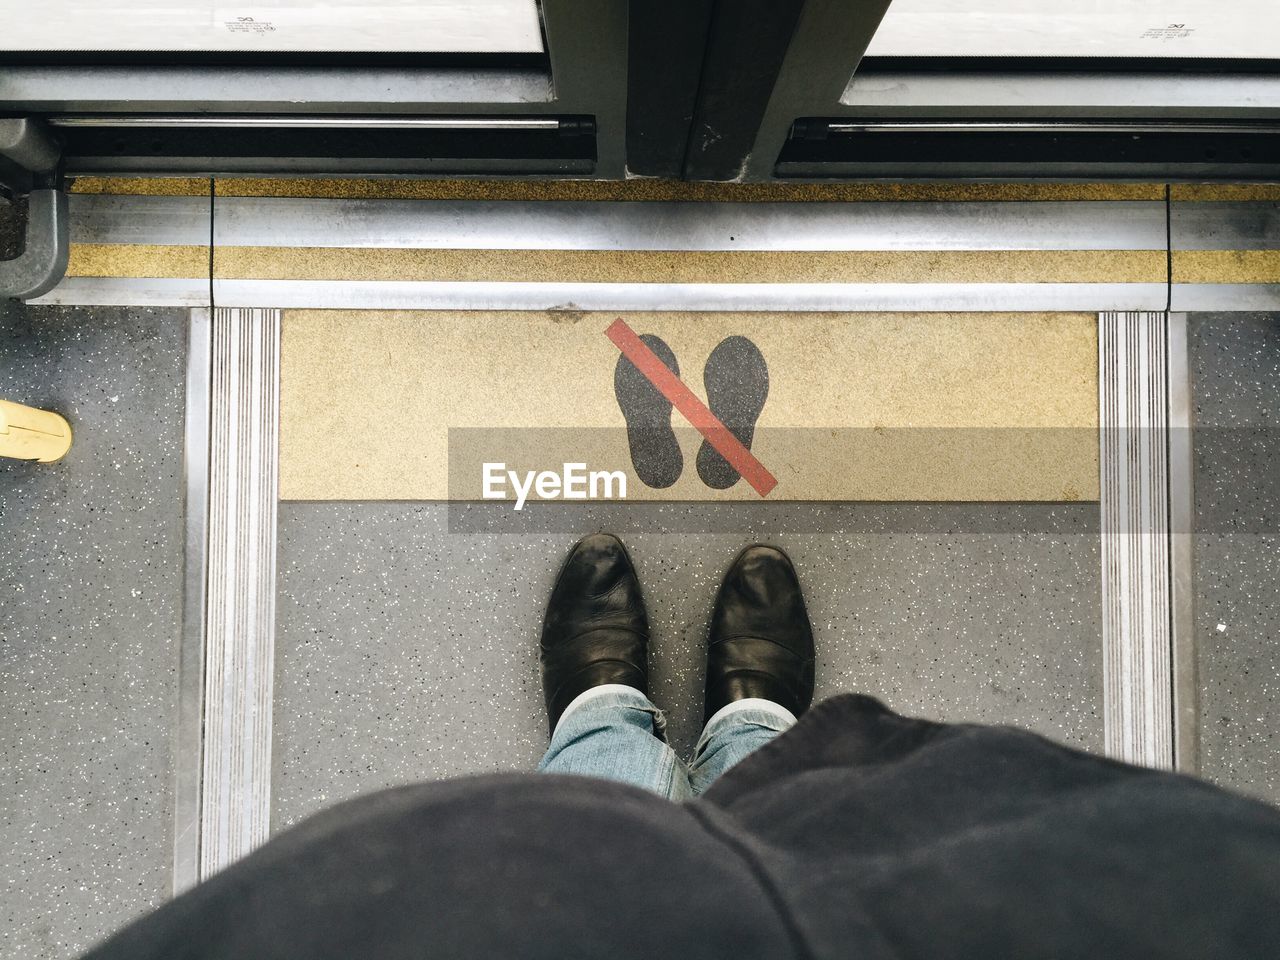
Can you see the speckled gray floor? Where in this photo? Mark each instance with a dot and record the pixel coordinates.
(90, 576)
(13, 220)
(1235, 361)
(406, 651)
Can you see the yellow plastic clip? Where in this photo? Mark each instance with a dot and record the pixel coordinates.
(29, 434)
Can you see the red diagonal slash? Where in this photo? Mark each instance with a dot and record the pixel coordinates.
(691, 408)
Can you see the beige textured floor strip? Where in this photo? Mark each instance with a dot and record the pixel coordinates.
(979, 407)
(663, 190)
(640, 190)
(143, 186)
(1226, 266)
(670, 190)
(137, 260)
(915, 266)
(1224, 191)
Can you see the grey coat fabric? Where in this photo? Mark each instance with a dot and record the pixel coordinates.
(857, 834)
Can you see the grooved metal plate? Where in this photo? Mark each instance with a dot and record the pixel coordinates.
(1133, 404)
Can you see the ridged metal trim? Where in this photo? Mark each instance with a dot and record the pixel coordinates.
(279, 121)
(449, 295)
(188, 747)
(1133, 411)
(1186, 681)
(240, 622)
(1237, 297)
(129, 292)
(426, 295)
(609, 225)
(1224, 225)
(166, 221)
(1041, 126)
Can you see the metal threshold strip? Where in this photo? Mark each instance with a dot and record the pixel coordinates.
(1136, 128)
(449, 254)
(307, 122)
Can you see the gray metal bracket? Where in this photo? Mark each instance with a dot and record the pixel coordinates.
(29, 157)
(43, 261)
(26, 148)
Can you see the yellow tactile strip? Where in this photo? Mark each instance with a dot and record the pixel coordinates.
(143, 186)
(658, 266)
(1226, 266)
(1227, 192)
(934, 407)
(639, 190)
(137, 260)
(391, 189)
(669, 190)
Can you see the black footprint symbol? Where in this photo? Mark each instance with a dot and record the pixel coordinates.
(737, 381)
(655, 451)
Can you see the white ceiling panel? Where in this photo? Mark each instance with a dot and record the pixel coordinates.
(1083, 28)
(296, 26)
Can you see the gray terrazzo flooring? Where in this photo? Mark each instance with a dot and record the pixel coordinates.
(405, 651)
(91, 588)
(13, 222)
(1235, 364)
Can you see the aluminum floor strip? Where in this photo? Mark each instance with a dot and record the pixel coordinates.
(189, 732)
(923, 297)
(985, 248)
(239, 625)
(1186, 694)
(1225, 254)
(606, 225)
(1134, 460)
(137, 251)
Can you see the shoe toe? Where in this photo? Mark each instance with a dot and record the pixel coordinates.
(597, 566)
(760, 641)
(764, 576)
(595, 629)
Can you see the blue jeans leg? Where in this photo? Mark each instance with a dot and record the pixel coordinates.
(735, 731)
(613, 732)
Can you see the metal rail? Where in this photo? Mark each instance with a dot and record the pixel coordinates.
(306, 122)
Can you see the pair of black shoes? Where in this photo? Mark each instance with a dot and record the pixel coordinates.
(596, 630)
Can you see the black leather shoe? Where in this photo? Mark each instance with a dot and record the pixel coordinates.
(761, 644)
(595, 630)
